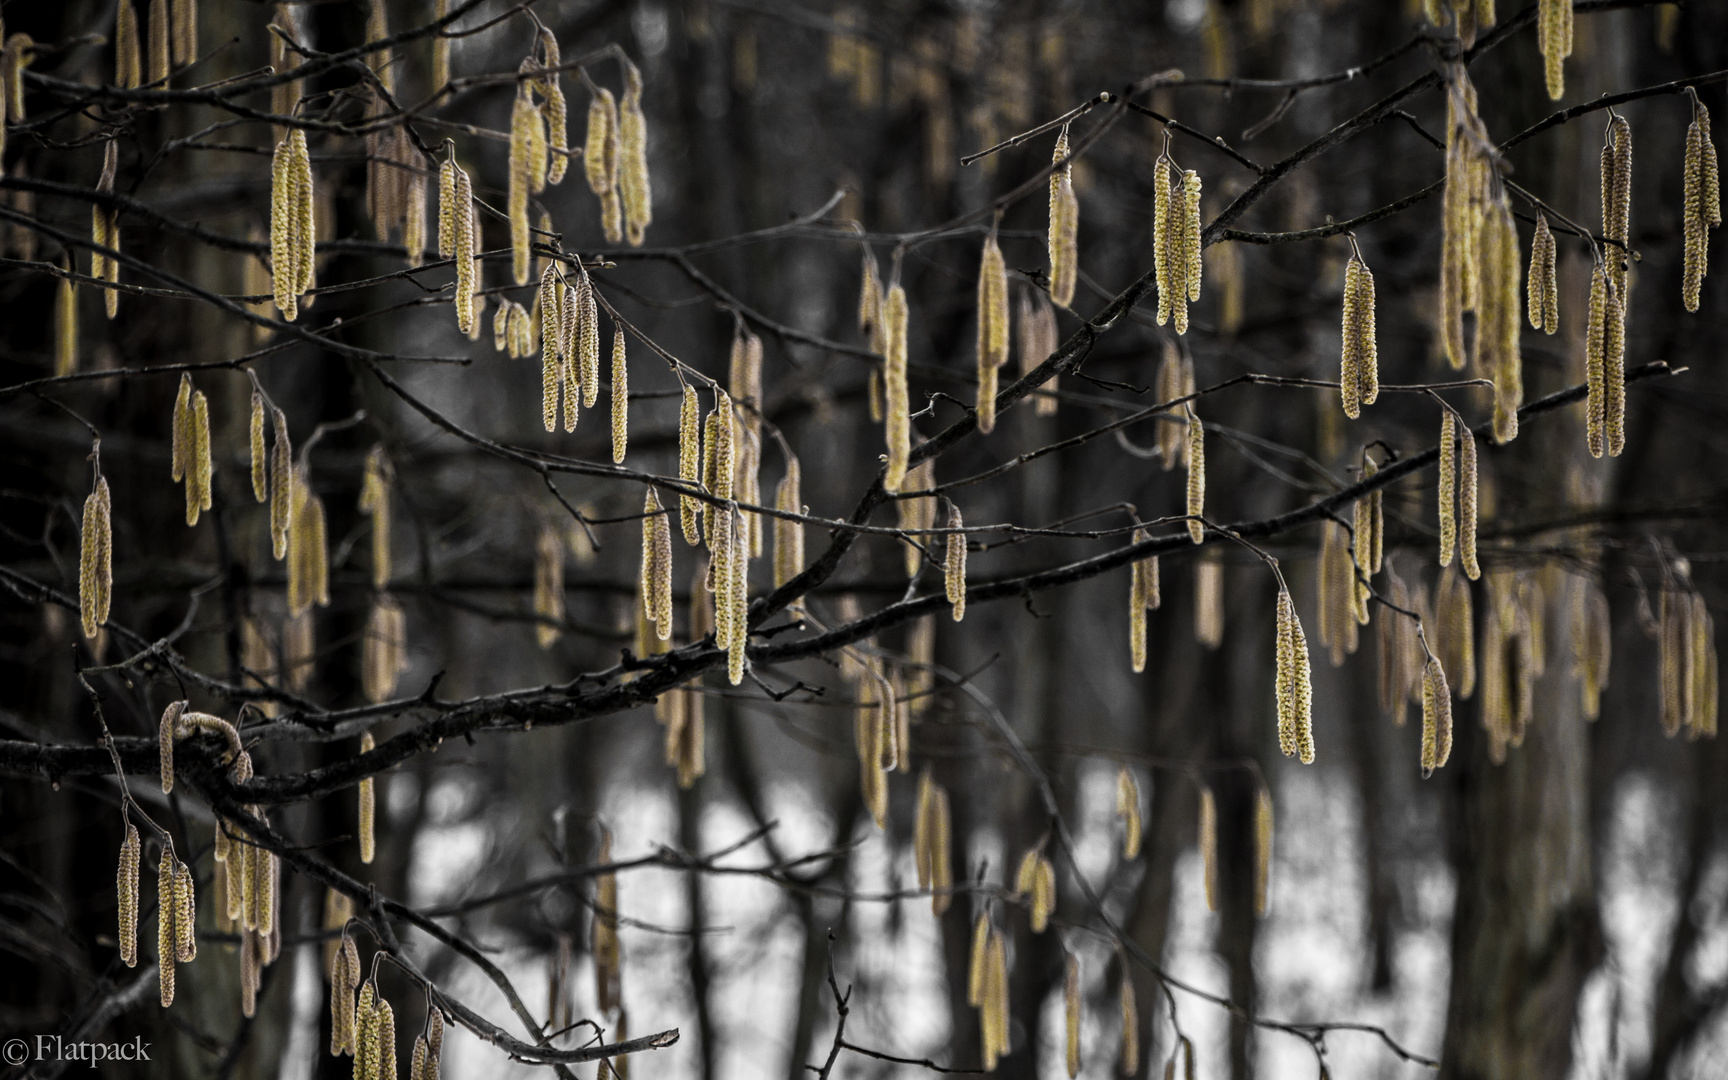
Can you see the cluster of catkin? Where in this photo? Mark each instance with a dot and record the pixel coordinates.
(96, 558)
(1454, 627)
(1472, 16)
(1605, 336)
(1457, 488)
(1554, 41)
(881, 721)
(539, 143)
(514, 330)
(1701, 208)
(293, 225)
(1037, 322)
(1175, 240)
(1359, 366)
(1064, 225)
(396, 190)
(992, 328)
(308, 546)
(1479, 263)
(176, 914)
(459, 239)
(1035, 883)
(191, 447)
(1593, 645)
(1511, 657)
(1542, 285)
(931, 843)
(987, 989)
(1143, 596)
(1686, 639)
(1292, 682)
(569, 346)
(105, 231)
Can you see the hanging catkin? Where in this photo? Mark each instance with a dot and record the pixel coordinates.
(1128, 809)
(104, 228)
(992, 329)
(65, 327)
(1542, 301)
(1191, 240)
(1467, 503)
(1166, 261)
(293, 229)
(1071, 1012)
(633, 180)
(1592, 644)
(788, 534)
(1130, 1057)
(456, 217)
(600, 161)
(167, 937)
(1436, 717)
(366, 1033)
(690, 463)
(1209, 846)
(96, 559)
(588, 311)
(1142, 596)
(308, 552)
(159, 48)
(526, 128)
(375, 502)
(1605, 368)
(1037, 329)
(368, 805)
(281, 484)
(975, 969)
(1196, 477)
(1359, 379)
(548, 586)
(126, 889)
(1554, 41)
(1497, 316)
(1466, 195)
(553, 108)
(899, 427)
(1262, 849)
(168, 728)
(384, 653)
(1447, 486)
(1064, 226)
(1701, 203)
(620, 398)
(657, 564)
(954, 565)
(1209, 601)
(128, 70)
(1293, 686)
(994, 1016)
(1455, 619)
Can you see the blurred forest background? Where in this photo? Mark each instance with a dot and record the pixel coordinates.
(1561, 914)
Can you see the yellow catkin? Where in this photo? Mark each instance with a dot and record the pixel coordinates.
(996, 1001)
(384, 652)
(308, 550)
(440, 49)
(1137, 606)
(198, 467)
(737, 596)
(344, 977)
(281, 484)
(126, 889)
(1447, 486)
(554, 108)
(259, 462)
(65, 327)
(1359, 379)
(1071, 1012)
(620, 398)
(366, 1033)
(1262, 849)
(185, 909)
(1542, 299)
(1436, 717)
(434, 1044)
(128, 70)
(600, 161)
(1209, 846)
(1554, 41)
(1467, 503)
(788, 534)
(1130, 1056)
(1128, 809)
(1043, 894)
(922, 827)
(96, 559)
(375, 502)
(1701, 203)
(634, 185)
(159, 46)
(899, 426)
(1294, 691)
(1191, 234)
(690, 463)
(954, 564)
(992, 329)
(1196, 478)
(1209, 602)
(525, 125)
(1165, 261)
(975, 969)
(167, 937)
(870, 301)
(1037, 322)
(1498, 321)
(588, 349)
(463, 230)
(1064, 227)
(368, 806)
(385, 1058)
(941, 854)
(657, 564)
(548, 586)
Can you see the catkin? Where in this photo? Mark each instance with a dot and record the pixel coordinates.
(440, 48)
(921, 828)
(553, 108)
(1497, 316)
(1191, 238)
(1293, 684)
(788, 534)
(281, 484)
(600, 160)
(1130, 1057)
(1262, 849)
(1467, 503)
(260, 464)
(368, 806)
(975, 969)
(456, 217)
(1554, 41)
(344, 977)
(65, 327)
(198, 470)
(992, 329)
(385, 1059)
(1436, 717)
(657, 564)
(159, 48)
(96, 559)
(1359, 379)
(308, 549)
(128, 71)
(1037, 322)
(1196, 477)
(1209, 602)
(167, 937)
(995, 1017)
(185, 911)
(1138, 604)
(548, 587)
(633, 181)
(588, 311)
(1542, 300)
(180, 443)
(375, 502)
(1447, 486)
(126, 889)
(1701, 203)
(292, 230)
(1064, 226)
(1166, 260)
(954, 564)
(1128, 809)
(899, 427)
(366, 1033)
(384, 652)
(1209, 846)
(690, 463)
(870, 302)
(525, 125)
(620, 398)
(1071, 1012)
(434, 1044)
